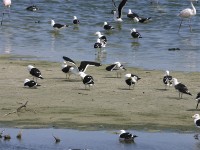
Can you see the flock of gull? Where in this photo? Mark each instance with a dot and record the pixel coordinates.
(69, 66)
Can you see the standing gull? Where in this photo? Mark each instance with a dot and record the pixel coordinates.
(101, 37)
(198, 99)
(187, 14)
(34, 72)
(87, 79)
(167, 79)
(107, 26)
(196, 120)
(68, 70)
(136, 17)
(76, 21)
(131, 79)
(180, 87)
(118, 67)
(58, 26)
(126, 136)
(118, 11)
(135, 34)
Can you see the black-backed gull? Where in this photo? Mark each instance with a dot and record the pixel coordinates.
(131, 79)
(180, 87)
(126, 136)
(118, 67)
(167, 79)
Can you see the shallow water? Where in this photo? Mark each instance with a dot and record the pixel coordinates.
(23, 35)
(33, 139)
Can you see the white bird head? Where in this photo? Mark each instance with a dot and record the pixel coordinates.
(167, 72)
(98, 34)
(26, 80)
(196, 116)
(75, 17)
(129, 11)
(122, 131)
(105, 23)
(52, 22)
(175, 81)
(30, 67)
(133, 30)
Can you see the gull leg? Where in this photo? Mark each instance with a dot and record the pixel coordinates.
(197, 105)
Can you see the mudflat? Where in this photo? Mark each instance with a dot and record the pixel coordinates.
(109, 104)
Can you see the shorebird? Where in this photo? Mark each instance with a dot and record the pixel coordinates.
(87, 79)
(198, 99)
(180, 87)
(196, 120)
(135, 34)
(74, 69)
(99, 45)
(76, 21)
(167, 79)
(107, 26)
(187, 14)
(30, 83)
(32, 8)
(131, 79)
(118, 67)
(34, 72)
(126, 136)
(118, 10)
(102, 38)
(58, 26)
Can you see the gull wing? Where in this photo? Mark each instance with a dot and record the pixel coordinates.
(120, 7)
(84, 64)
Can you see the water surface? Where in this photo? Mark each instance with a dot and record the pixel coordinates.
(23, 35)
(33, 139)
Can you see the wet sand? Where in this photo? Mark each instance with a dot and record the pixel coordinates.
(63, 103)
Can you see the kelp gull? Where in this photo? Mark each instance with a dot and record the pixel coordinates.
(135, 34)
(131, 79)
(102, 37)
(87, 79)
(180, 87)
(83, 65)
(126, 136)
(107, 26)
(118, 67)
(76, 21)
(167, 79)
(198, 99)
(34, 72)
(30, 83)
(58, 26)
(196, 120)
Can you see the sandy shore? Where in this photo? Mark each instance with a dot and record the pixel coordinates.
(63, 103)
